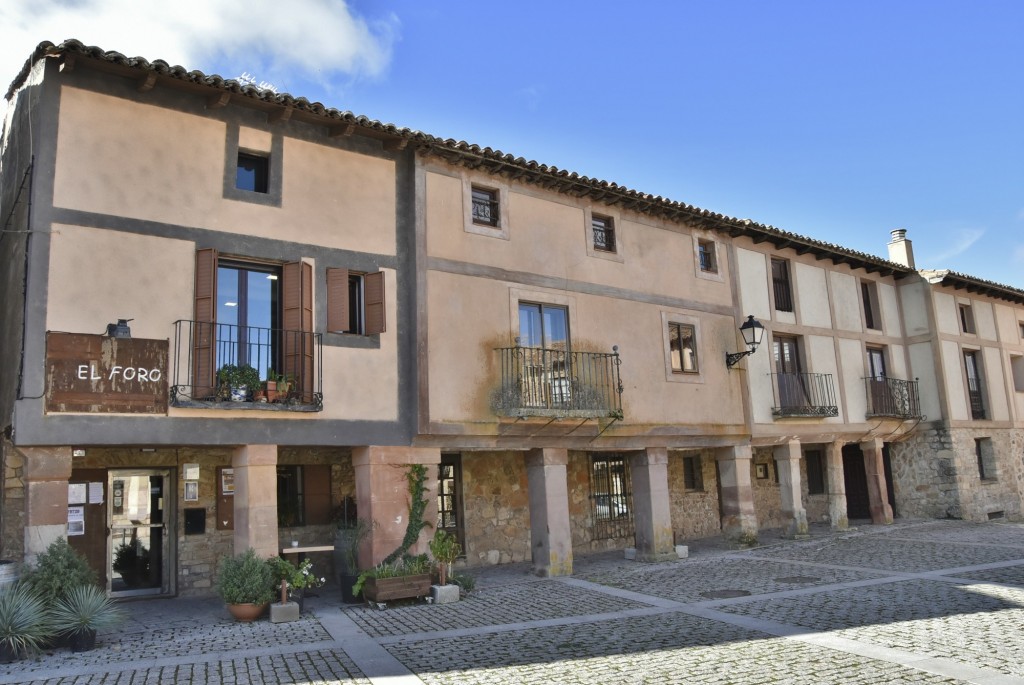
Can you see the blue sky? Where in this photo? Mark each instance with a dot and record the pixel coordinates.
(836, 120)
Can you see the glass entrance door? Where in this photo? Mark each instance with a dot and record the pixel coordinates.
(139, 521)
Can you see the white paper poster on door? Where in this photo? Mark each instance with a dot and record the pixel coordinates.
(76, 521)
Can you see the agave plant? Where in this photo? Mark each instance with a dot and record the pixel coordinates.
(85, 609)
(25, 624)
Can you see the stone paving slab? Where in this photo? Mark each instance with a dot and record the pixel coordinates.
(325, 666)
(904, 555)
(698, 581)
(972, 624)
(185, 638)
(519, 602)
(669, 648)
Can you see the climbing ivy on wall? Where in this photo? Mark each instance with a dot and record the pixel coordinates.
(416, 476)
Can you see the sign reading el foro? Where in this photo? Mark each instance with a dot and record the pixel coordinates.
(100, 374)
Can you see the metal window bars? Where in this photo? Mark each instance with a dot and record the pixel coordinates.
(893, 397)
(803, 394)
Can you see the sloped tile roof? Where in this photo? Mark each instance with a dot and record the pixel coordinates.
(461, 153)
(974, 285)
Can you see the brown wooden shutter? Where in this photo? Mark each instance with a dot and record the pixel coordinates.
(337, 300)
(297, 322)
(316, 488)
(373, 303)
(204, 338)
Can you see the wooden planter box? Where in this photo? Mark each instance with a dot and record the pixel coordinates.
(402, 587)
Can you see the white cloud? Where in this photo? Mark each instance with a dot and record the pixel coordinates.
(960, 243)
(312, 40)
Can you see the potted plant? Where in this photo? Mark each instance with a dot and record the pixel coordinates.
(406, 578)
(237, 381)
(81, 613)
(25, 624)
(57, 570)
(445, 549)
(246, 584)
(270, 386)
(293, 581)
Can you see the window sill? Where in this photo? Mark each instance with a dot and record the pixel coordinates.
(182, 403)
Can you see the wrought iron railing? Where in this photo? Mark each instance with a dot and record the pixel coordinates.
(202, 349)
(976, 396)
(550, 382)
(893, 397)
(804, 394)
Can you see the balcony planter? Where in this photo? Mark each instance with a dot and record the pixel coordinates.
(397, 587)
(236, 381)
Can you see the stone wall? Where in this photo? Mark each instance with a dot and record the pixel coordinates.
(497, 508)
(695, 513)
(935, 474)
(816, 506)
(767, 496)
(12, 503)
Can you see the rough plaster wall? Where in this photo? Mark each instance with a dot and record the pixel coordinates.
(890, 310)
(984, 320)
(846, 300)
(752, 271)
(956, 395)
(813, 295)
(995, 384)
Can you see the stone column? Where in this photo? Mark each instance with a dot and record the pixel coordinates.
(836, 486)
(47, 471)
(256, 499)
(652, 515)
(878, 495)
(550, 535)
(739, 520)
(787, 457)
(382, 497)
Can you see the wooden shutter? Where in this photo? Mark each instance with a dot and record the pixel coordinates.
(297, 322)
(204, 338)
(316, 489)
(373, 303)
(337, 300)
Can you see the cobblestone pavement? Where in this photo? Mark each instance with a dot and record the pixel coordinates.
(916, 602)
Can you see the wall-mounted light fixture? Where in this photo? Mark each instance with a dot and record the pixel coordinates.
(119, 329)
(753, 333)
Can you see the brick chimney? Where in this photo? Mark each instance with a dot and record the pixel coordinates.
(901, 250)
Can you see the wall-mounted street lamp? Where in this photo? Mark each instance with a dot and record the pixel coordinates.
(753, 333)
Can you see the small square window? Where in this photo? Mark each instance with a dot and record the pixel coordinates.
(604, 233)
(708, 257)
(485, 207)
(693, 476)
(683, 348)
(253, 173)
(966, 319)
(355, 302)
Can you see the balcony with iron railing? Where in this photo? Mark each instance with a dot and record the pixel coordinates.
(558, 383)
(803, 395)
(892, 397)
(203, 350)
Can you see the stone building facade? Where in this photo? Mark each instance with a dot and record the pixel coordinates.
(564, 355)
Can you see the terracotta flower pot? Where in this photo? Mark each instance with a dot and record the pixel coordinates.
(246, 613)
